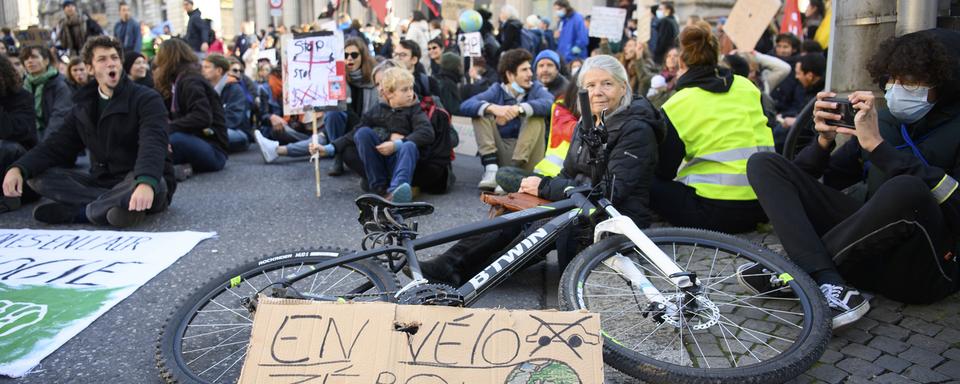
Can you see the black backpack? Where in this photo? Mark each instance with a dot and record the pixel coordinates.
(440, 152)
(209, 25)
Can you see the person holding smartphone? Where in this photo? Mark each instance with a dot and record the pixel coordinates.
(886, 216)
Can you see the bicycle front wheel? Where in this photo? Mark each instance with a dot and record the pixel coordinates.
(727, 334)
(205, 339)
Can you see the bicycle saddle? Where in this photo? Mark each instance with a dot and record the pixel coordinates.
(374, 208)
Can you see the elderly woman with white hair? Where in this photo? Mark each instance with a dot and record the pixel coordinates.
(634, 129)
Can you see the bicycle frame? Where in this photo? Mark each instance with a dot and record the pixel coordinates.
(563, 213)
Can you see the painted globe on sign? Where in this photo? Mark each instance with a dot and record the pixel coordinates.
(470, 21)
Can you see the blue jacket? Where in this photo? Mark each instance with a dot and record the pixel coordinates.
(537, 101)
(131, 40)
(236, 113)
(573, 33)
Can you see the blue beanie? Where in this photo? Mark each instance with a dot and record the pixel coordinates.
(547, 54)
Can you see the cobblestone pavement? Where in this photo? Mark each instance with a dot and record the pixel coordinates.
(894, 343)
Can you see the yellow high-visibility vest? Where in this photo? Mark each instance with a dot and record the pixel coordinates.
(552, 162)
(720, 131)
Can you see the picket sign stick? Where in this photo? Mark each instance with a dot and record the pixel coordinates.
(316, 160)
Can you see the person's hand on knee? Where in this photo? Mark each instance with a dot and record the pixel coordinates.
(387, 148)
(141, 199)
(13, 183)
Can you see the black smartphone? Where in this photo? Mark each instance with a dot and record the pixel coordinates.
(845, 110)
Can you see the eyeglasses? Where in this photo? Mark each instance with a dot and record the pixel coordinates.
(432, 47)
(352, 55)
(400, 55)
(234, 70)
(910, 86)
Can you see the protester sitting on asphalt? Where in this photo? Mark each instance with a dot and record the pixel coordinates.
(547, 71)
(714, 122)
(450, 80)
(361, 97)
(249, 88)
(123, 126)
(391, 137)
(788, 95)
(52, 97)
(564, 116)
(810, 72)
(76, 74)
(18, 130)
(274, 125)
(408, 53)
(236, 115)
(508, 118)
(137, 67)
(198, 136)
(894, 228)
(480, 77)
(634, 128)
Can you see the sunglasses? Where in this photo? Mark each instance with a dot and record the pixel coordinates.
(352, 55)
(235, 70)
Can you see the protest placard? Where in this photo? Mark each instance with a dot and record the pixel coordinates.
(607, 22)
(392, 344)
(471, 44)
(314, 72)
(56, 283)
(747, 21)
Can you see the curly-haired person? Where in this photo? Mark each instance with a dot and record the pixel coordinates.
(886, 217)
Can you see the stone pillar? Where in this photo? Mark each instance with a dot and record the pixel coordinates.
(262, 13)
(113, 16)
(291, 13)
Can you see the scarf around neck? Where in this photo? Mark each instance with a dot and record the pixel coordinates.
(35, 85)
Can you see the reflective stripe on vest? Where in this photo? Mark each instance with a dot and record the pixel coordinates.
(551, 165)
(944, 188)
(720, 131)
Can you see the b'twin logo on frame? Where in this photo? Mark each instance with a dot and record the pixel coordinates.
(505, 260)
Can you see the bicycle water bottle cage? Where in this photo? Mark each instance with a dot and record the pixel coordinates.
(388, 215)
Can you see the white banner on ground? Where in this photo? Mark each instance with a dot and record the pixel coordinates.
(53, 284)
(607, 22)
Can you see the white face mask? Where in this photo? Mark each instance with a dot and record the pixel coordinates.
(659, 14)
(908, 106)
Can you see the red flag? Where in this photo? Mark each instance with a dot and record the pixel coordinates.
(791, 19)
(434, 6)
(379, 8)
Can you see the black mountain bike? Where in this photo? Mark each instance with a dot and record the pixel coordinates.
(671, 307)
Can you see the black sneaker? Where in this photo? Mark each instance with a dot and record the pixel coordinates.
(847, 304)
(762, 281)
(182, 172)
(122, 218)
(56, 213)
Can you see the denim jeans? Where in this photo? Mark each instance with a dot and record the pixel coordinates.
(398, 168)
(201, 155)
(335, 125)
(237, 140)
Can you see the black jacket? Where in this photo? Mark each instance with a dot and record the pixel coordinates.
(633, 134)
(56, 104)
(129, 136)
(17, 120)
(667, 33)
(197, 31)
(509, 37)
(409, 121)
(198, 108)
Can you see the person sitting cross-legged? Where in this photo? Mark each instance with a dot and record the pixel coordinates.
(390, 137)
(509, 118)
(236, 113)
(123, 125)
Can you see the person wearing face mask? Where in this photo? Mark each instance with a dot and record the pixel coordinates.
(667, 31)
(571, 33)
(508, 118)
(886, 217)
(634, 129)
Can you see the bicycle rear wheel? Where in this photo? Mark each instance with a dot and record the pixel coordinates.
(732, 336)
(205, 339)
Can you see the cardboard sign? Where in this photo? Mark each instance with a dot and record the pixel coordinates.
(295, 341)
(607, 22)
(471, 44)
(314, 71)
(748, 20)
(451, 9)
(33, 36)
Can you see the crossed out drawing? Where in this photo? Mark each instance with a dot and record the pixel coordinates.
(576, 335)
(15, 316)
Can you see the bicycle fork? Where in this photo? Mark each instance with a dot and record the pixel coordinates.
(687, 282)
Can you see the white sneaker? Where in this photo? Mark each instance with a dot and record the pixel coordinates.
(268, 148)
(489, 180)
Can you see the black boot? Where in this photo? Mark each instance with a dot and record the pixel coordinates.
(337, 166)
(468, 257)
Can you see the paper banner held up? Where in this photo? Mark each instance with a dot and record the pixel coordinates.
(748, 20)
(314, 72)
(471, 44)
(607, 22)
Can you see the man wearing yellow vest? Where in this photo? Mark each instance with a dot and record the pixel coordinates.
(714, 123)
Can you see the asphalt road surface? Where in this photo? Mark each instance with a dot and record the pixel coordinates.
(256, 209)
